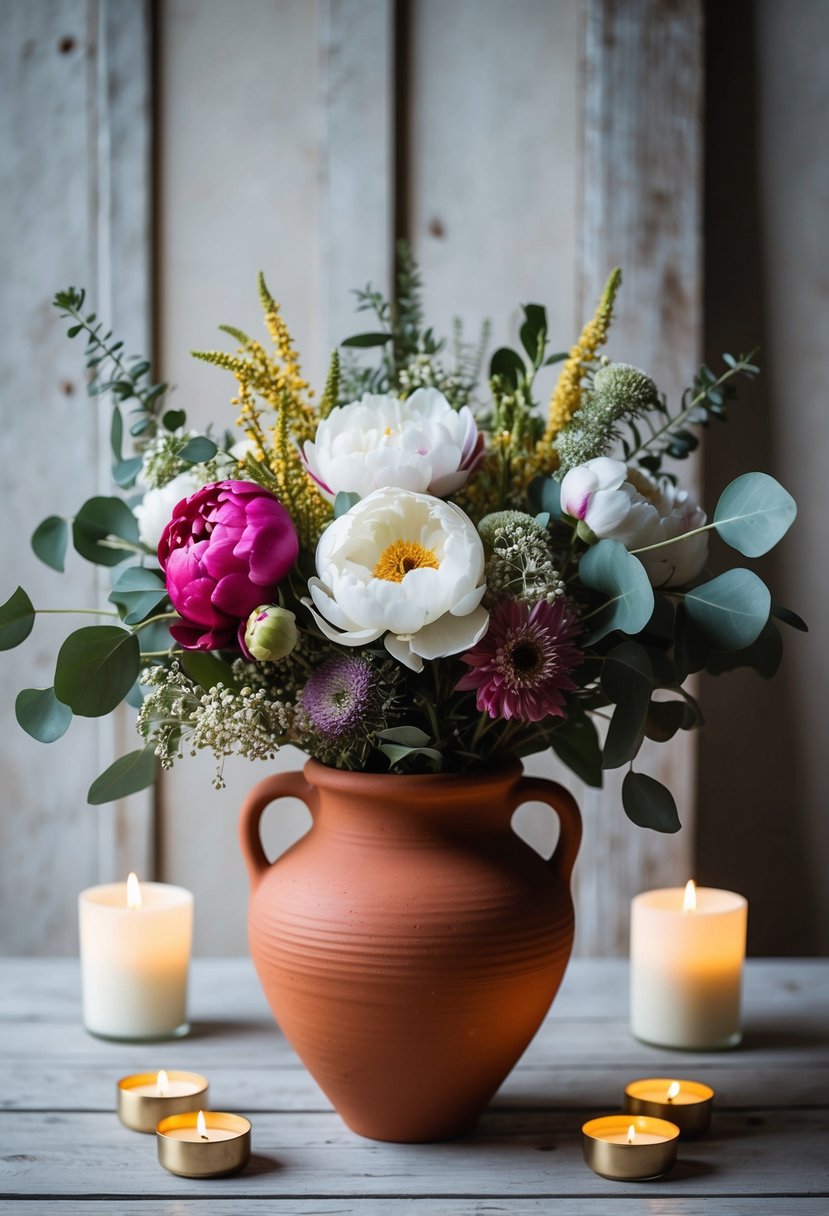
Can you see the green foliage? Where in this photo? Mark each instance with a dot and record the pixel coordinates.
(129, 774)
(50, 540)
(41, 714)
(138, 591)
(96, 668)
(206, 670)
(730, 610)
(17, 617)
(110, 371)
(627, 680)
(104, 531)
(608, 567)
(754, 513)
(576, 744)
(649, 804)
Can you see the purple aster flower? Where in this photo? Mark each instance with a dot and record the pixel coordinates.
(521, 667)
(339, 695)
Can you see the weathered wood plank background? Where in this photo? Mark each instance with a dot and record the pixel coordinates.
(524, 149)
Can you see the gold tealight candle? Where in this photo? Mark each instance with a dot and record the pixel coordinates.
(685, 1103)
(629, 1148)
(146, 1097)
(203, 1144)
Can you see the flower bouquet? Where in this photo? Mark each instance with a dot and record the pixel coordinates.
(397, 577)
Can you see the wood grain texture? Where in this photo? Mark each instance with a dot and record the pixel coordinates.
(74, 208)
(641, 211)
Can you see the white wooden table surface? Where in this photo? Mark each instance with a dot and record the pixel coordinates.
(62, 1149)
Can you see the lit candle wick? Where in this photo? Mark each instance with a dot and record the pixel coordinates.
(133, 893)
(162, 1083)
(689, 901)
(673, 1090)
(631, 1134)
(201, 1126)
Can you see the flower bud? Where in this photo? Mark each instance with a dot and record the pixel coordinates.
(271, 633)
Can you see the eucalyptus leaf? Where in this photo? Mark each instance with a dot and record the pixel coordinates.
(50, 540)
(124, 472)
(544, 495)
(408, 736)
(41, 714)
(763, 655)
(116, 432)
(129, 774)
(96, 668)
(576, 744)
(173, 419)
(207, 670)
(664, 719)
(754, 513)
(98, 520)
(691, 648)
(138, 591)
(731, 609)
(344, 501)
(608, 567)
(649, 804)
(17, 616)
(397, 752)
(198, 450)
(789, 618)
(627, 679)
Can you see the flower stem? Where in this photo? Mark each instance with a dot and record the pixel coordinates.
(160, 616)
(82, 611)
(673, 540)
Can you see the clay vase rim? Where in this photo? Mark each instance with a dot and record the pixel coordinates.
(324, 776)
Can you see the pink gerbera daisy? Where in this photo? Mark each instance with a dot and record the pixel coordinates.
(521, 667)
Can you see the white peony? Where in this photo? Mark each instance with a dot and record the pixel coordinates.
(620, 502)
(406, 565)
(154, 511)
(419, 444)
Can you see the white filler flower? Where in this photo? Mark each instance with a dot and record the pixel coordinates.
(419, 444)
(621, 502)
(405, 565)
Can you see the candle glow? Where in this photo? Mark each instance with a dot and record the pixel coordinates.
(689, 900)
(631, 1134)
(201, 1126)
(673, 1090)
(162, 1083)
(133, 893)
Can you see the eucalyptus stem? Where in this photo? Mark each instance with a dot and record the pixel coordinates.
(673, 540)
(159, 616)
(71, 611)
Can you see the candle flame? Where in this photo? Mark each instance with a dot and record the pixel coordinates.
(163, 1083)
(631, 1134)
(689, 901)
(201, 1126)
(673, 1090)
(133, 893)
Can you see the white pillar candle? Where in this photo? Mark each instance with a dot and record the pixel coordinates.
(686, 967)
(135, 960)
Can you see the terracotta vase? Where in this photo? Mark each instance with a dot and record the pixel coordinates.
(411, 943)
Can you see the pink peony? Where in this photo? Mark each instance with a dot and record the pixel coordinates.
(521, 667)
(223, 553)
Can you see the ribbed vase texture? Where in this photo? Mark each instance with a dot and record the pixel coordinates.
(410, 944)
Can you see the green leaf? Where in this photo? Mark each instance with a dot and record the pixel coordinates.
(408, 736)
(50, 540)
(173, 419)
(198, 450)
(206, 670)
(344, 501)
(649, 804)
(664, 719)
(99, 519)
(558, 357)
(138, 592)
(116, 432)
(533, 332)
(124, 471)
(365, 340)
(608, 567)
(731, 609)
(397, 752)
(127, 775)
(754, 513)
(764, 655)
(576, 744)
(96, 668)
(41, 714)
(627, 679)
(17, 616)
(691, 649)
(544, 496)
(509, 365)
(789, 618)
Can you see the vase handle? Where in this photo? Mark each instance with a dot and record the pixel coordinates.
(278, 785)
(539, 789)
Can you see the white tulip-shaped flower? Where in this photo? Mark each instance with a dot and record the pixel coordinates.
(406, 565)
(419, 444)
(621, 502)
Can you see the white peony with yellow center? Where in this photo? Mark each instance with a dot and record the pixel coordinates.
(404, 565)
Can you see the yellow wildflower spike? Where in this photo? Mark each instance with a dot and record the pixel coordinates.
(566, 398)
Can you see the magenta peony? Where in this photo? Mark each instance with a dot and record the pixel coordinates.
(521, 666)
(223, 553)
